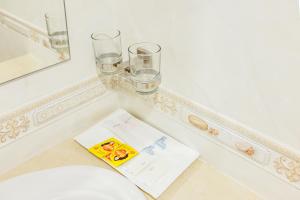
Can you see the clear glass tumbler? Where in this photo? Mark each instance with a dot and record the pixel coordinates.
(107, 50)
(144, 61)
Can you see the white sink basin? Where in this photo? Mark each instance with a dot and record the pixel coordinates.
(70, 183)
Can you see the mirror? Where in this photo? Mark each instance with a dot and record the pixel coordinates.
(33, 36)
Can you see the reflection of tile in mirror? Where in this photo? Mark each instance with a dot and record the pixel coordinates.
(18, 66)
(27, 44)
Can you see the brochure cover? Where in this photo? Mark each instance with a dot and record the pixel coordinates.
(149, 158)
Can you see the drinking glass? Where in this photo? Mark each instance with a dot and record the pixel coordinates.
(107, 50)
(144, 63)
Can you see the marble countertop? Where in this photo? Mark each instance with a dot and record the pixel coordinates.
(199, 182)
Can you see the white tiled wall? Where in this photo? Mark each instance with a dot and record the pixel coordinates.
(238, 57)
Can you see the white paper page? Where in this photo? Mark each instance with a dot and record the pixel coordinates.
(131, 130)
(157, 166)
(93, 136)
(161, 159)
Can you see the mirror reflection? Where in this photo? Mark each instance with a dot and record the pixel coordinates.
(33, 36)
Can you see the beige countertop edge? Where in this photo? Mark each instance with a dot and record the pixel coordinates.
(199, 182)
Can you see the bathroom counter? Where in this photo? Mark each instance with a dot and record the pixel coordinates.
(199, 181)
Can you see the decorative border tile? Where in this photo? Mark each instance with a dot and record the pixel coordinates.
(53, 110)
(288, 168)
(27, 119)
(251, 145)
(12, 128)
(261, 151)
